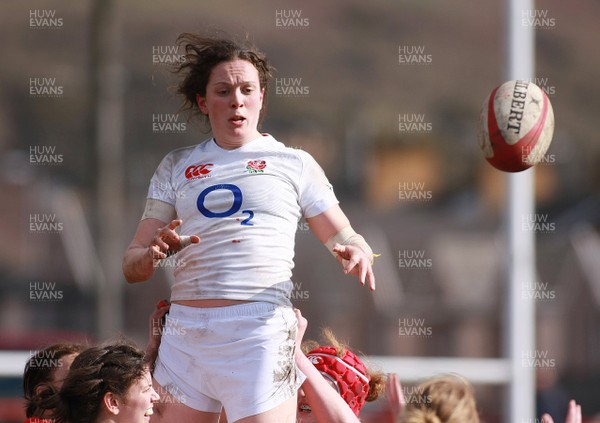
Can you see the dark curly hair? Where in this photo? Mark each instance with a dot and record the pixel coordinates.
(109, 368)
(39, 374)
(202, 54)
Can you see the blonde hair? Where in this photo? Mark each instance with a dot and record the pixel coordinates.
(443, 399)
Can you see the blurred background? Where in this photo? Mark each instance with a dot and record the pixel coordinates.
(386, 96)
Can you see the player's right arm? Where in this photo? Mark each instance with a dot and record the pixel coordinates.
(140, 256)
(152, 239)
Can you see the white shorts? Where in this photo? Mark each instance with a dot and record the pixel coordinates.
(238, 357)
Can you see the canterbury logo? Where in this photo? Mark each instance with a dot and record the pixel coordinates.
(198, 171)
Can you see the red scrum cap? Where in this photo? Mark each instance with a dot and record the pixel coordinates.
(348, 373)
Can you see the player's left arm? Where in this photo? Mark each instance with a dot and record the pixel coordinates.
(333, 229)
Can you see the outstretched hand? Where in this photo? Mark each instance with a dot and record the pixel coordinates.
(356, 262)
(167, 240)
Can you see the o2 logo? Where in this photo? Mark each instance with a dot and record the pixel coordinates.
(235, 206)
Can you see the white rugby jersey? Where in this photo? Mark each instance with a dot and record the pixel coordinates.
(245, 205)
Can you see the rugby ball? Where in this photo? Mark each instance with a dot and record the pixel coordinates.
(516, 124)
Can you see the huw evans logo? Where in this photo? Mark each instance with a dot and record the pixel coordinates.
(44, 155)
(414, 259)
(537, 291)
(167, 191)
(545, 85)
(299, 294)
(167, 55)
(414, 191)
(414, 55)
(415, 395)
(169, 263)
(537, 19)
(167, 123)
(293, 291)
(44, 359)
(170, 394)
(414, 327)
(45, 88)
(291, 87)
(44, 223)
(538, 222)
(302, 226)
(44, 291)
(537, 359)
(291, 19)
(44, 19)
(172, 328)
(546, 158)
(413, 123)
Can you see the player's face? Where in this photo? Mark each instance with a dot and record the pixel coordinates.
(137, 405)
(233, 102)
(304, 412)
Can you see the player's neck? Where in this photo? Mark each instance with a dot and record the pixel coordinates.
(228, 143)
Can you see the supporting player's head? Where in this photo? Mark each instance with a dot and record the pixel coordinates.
(443, 399)
(203, 54)
(44, 374)
(110, 381)
(345, 371)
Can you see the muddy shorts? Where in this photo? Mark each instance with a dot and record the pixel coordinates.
(238, 357)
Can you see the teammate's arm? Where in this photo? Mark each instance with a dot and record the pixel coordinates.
(157, 322)
(333, 229)
(326, 404)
